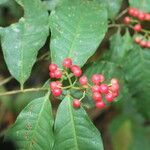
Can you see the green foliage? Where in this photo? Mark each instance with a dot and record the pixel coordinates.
(75, 130)
(21, 41)
(3, 1)
(76, 33)
(141, 5)
(34, 122)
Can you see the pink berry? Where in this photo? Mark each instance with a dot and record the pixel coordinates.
(109, 97)
(52, 75)
(58, 74)
(148, 44)
(74, 67)
(53, 67)
(56, 92)
(100, 105)
(83, 80)
(115, 87)
(76, 103)
(135, 13)
(141, 16)
(127, 20)
(97, 78)
(137, 40)
(76, 71)
(137, 28)
(131, 11)
(96, 88)
(115, 94)
(53, 85)
(114, 81)
(97, 96)
(104, 88)
(143, 43)
(67, 63)
(147, 17)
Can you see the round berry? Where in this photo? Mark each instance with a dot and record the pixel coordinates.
(115, 94)
(83, 80)
(115, 87)
(127, 20)
(76, 71)
(97, 96)
(148, 44)
(141, 16)
(97, 78)
(114, 81)
(59, 84)
(96, 88)
(100, 105)
(53, 85)
(104, 88)
(56, 91)
(58, 74)
(67, 63)
(131, 11)
(76, 103)
(147, 17)
(137, 27)
(137, 40)
(109, 97)
(143, 43)
(74, 67)
(51, 74)
(135, 13)
(53, 67)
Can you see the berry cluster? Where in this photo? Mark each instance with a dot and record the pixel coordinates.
(99, 90)
(135, 19)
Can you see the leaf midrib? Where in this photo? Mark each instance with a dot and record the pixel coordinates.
(73, 124)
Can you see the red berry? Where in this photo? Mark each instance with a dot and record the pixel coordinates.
(127, 20)
(137, 27)
(76, 71)
(53, 85)
(58, 74)
(109, 97)
(104, 88)
(114, 81)
(141, 16)
(52, 75)
(148, 44)
(74, 67)
(53, 67)
(76, 103)
(135, 13)
(59, 84)
(137, 40)
(97, 96)
(97, 78)
(96, 88)
(100, 105)
(83, 80)
(56, 92)
(67, 63)
(115, 87)
(131, 11)
(147, 17)
(143, 43)
(115, 94)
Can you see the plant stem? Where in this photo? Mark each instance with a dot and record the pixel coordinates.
(121, 14)
(5, 81)
(23, 91)
(70, 82)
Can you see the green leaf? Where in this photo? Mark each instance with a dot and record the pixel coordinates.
(144, 4)
(3, 1)
(74, 130)
(137, 73)
(33, 127)
(21, 41)
(77, 29)
(51, 4)
(113, 7)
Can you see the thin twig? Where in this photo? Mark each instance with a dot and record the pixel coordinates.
(23, 91)
(121, 14)
(5, 81)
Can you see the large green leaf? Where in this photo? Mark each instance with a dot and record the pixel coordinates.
(137, 74)
(73, 129)
(144, 4)
(3, 1)
(21, 41)
(77, 28)
(113, 7)
(33, 127)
